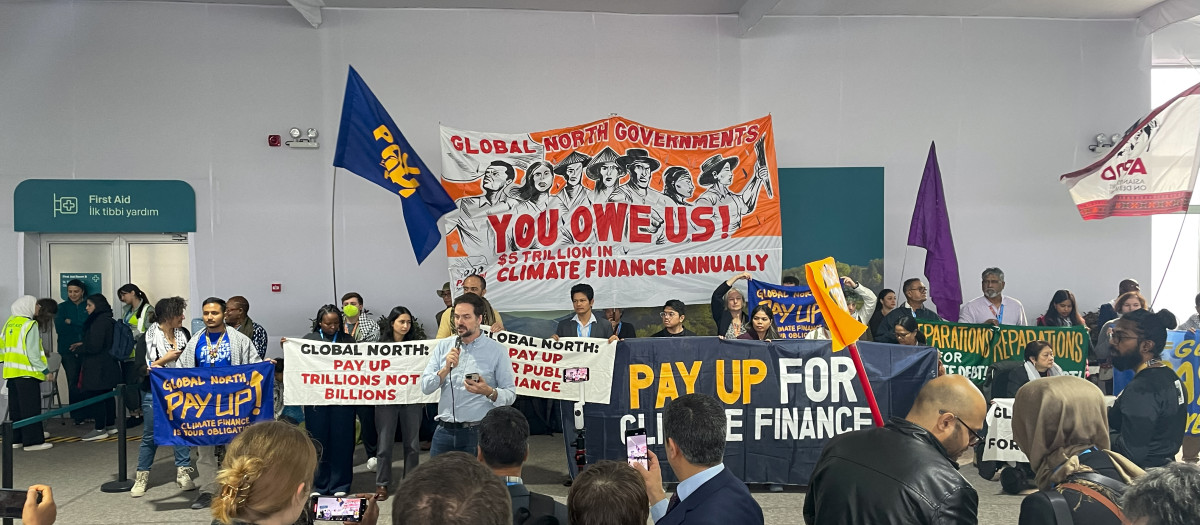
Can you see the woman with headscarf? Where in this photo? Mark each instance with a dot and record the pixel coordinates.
(678, 186)
(1061, 426)
(98, 371)
(1039, 363)
(729, 308)
(24, 370)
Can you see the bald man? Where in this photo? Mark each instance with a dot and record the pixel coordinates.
(237, 317)
(907, 471)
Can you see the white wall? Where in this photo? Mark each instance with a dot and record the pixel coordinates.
(189, 91)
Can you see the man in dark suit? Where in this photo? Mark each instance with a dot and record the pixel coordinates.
(694, 429)
(584, 323)
(504, 447)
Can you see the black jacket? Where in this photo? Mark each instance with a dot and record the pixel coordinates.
(898, 474)
(98, 370)
(1149, 418)
(722, 500)
(601, 329)
(886, 329)
(720, 313)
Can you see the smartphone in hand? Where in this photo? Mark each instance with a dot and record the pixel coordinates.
(635, 447)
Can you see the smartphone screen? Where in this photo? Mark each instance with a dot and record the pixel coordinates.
(12, 502)
(328, 508)
(635, 447)
(575, 375)
(473, 376)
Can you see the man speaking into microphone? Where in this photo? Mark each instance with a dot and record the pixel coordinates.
(474, 374)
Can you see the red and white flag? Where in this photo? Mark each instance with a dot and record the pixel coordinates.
(1152, 170)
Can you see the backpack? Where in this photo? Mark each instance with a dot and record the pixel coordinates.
(996, 379)
(531, 508)
(122, 344)
(1062, 509)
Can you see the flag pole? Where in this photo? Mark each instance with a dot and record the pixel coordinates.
(876, 415)
(333, 233)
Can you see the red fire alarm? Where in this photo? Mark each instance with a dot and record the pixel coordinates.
(274, 141)
(276, 287)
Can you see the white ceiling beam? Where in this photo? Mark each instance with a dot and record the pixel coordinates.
(1166, 13)
(752, 12)
(310, 9)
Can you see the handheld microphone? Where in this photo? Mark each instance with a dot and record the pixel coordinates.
(458, 345)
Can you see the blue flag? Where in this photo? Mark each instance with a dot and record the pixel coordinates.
(371, 145)
(206, 406)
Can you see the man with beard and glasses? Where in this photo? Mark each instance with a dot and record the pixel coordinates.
(993, 307)
(1149, 416)
(464, 368)
(907, 471)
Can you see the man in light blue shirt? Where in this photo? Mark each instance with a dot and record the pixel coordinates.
(464, 368)
(694, 429)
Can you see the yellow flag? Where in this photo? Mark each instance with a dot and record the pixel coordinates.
(826, 288)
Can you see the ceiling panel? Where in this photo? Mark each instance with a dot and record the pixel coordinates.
(1082, 9)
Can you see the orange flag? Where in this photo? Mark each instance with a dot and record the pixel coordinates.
(826, 288)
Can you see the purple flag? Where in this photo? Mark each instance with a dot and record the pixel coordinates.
(930, 229)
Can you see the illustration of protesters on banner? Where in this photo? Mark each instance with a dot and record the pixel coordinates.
(474, 232)
(716, 173)
(533, 196)
(678, 185)
(606, 172)
(574, 194)
(641, 167)
(637, 191)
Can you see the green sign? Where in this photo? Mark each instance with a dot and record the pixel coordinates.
(968, 349)
(92, 283)
(108, 206)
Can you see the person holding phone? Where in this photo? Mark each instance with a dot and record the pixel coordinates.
(694, 431)
(465, 400)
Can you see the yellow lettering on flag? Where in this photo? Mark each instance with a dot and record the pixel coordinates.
(826, 288)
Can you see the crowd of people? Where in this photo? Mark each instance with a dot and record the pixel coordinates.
(1104, 462)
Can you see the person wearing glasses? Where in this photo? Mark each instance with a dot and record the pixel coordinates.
(907, 471)
(1149, 416)
(673, 314)
(915, 295)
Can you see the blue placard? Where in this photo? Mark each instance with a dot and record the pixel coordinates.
(199, 407)
(795, 309)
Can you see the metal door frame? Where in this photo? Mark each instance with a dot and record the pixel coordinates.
(120, 244)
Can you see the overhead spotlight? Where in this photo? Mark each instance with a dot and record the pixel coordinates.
(1116, 138)
(302, 139)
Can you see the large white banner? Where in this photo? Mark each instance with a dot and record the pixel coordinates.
(999, 444)
(1152, 170)
(325, 373)
(642, 214)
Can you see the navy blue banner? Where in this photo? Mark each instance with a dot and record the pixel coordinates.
(371, 146)
(795, 308)
(783, 399)
(210, 406)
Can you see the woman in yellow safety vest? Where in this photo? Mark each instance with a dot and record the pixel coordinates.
(24, 371)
